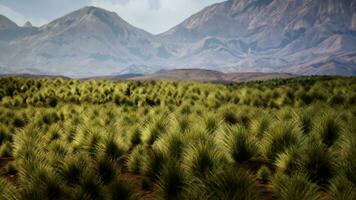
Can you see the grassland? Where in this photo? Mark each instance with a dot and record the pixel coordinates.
(279, 139)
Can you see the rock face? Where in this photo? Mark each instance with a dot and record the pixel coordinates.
(293, 36)
(299, 36)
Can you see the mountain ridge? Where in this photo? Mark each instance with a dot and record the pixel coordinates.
(295, 36)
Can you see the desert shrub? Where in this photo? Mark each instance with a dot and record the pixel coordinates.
(297, 186)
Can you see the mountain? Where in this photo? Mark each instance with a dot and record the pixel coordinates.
(6, 23)
(272, 36)
(299, 36)
(89, 41)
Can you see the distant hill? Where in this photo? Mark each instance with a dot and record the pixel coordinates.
(210, 76)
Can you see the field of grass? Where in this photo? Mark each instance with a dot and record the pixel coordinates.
(279, 139)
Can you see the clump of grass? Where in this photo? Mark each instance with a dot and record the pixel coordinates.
(211, 123)
(264, 174)
(318, 163)
(229, 117)
(112, 148)
(342, 189)
(328, 128)
(90, 188)
(136, 159)
(151, 168)
(154, 130)
(259, 126)
(229, 183)
(279, 138)
(18, 122)
(118, 189)
(72, 169)
(6, 149)
(201, 158)
(171, 181)
(304, 120)
(171, 145)
(298, 186)
(107, 169)
(288, 161)
(7, 191)
(4, 134)
(240, 145)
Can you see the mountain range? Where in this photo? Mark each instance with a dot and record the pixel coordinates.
(284, 36)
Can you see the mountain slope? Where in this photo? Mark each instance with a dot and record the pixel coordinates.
(90, 41)
(267, 35)
(292, 36)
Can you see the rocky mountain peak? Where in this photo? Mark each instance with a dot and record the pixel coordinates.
(28, 24)
(6, 23)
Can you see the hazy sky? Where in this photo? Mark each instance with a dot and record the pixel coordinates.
(155, 16)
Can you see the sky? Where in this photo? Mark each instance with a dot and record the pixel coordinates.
(155, 16)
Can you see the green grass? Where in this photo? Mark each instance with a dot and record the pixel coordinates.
(279, 139)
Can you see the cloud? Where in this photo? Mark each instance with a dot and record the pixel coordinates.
(18, 18)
